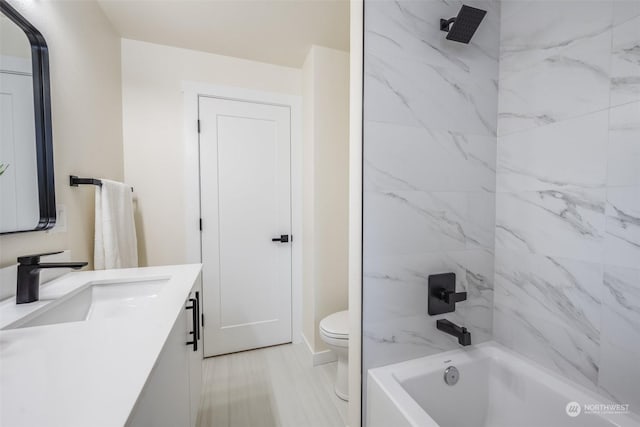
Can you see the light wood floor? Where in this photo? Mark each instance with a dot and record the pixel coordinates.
(274, 386)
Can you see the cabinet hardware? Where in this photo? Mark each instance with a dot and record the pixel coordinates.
(196, 322)
(194, 313)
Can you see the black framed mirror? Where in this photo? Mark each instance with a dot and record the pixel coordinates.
(27, 190)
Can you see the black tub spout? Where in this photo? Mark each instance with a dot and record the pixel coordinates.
(460, 332)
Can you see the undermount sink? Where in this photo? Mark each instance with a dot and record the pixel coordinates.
(95, 301)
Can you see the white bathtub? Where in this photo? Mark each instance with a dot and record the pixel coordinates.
(496, 388)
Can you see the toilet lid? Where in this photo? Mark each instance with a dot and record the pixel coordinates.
(336, 325)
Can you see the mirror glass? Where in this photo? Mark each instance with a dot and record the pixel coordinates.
(24, 140)
(18, 166)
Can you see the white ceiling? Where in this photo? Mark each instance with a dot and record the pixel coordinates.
(274, 31)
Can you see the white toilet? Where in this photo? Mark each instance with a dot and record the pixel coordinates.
(334, 330)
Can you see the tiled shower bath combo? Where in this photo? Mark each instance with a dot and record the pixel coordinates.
(512, 161)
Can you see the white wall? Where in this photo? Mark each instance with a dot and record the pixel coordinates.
(14, 40)
(326, 188)
(308, 203)
(84, 54)
(153, 131)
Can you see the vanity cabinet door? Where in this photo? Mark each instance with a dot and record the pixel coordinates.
(164, 401)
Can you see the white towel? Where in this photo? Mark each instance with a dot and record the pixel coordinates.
(115, 238)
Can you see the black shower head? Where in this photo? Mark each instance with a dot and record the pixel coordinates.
(464, 25)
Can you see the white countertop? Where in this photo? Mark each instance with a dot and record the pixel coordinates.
(85, 374)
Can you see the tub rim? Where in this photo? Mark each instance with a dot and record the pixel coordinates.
(389, 380)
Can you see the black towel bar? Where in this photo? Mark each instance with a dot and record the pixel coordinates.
(74, 181)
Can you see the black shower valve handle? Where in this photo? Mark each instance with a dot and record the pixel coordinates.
(442, 294)
(452, 297)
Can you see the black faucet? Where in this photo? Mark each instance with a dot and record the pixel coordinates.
(29, 266)
(460, 332)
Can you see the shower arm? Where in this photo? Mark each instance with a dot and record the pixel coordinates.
(446, 23)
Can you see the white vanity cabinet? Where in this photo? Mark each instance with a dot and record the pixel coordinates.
(171, 395)
(105, 348)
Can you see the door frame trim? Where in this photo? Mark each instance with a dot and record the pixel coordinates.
(191, 92)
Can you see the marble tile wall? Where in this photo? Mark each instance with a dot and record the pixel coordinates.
(430, 126)
(567, 236)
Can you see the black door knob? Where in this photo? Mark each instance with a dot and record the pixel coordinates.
(284, 238)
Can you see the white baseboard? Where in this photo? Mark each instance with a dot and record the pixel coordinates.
(320, 357)
(304, 338)
(325, 356)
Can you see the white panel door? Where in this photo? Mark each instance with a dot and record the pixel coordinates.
(245, 192)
